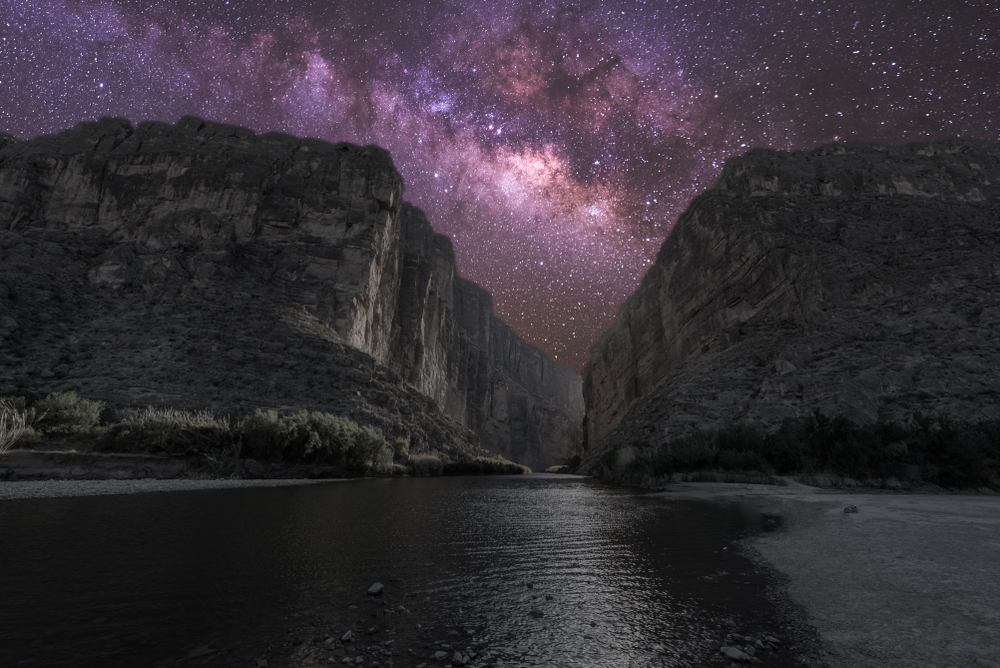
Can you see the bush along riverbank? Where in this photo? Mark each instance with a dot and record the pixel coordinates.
(926, 451)
(88, 437)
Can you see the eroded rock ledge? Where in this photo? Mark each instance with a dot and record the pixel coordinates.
(861, 280)
(201, 265)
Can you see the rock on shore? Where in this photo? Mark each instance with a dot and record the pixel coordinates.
(200, 265)
(852, 279)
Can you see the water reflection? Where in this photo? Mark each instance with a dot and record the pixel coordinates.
(267, 572)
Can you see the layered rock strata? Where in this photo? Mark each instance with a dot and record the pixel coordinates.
(201, 265)
(861, 280)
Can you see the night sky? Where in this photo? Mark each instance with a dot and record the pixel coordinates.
(554, 142)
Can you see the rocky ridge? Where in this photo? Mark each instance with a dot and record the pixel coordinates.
(861, 280)
(199, 265)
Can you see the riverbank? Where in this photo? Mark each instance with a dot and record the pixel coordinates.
(37, 489)
(81, 463)
(909, 579)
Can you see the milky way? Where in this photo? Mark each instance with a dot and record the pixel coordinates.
(554, 142)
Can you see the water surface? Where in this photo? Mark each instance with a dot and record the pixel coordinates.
(266, 573)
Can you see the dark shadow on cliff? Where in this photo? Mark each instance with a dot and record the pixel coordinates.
(926, 451)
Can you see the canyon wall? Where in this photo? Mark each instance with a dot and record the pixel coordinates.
(448, 343)
(861, 280)
(202, 265)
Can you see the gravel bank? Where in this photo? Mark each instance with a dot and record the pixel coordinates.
(34, 489)
(908, 580)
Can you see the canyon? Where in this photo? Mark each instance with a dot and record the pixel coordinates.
(203, 266)
(855, 280)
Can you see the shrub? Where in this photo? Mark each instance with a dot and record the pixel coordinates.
(262, 436)
(64, 413)
(316, 438)
(425, 465)
(688, 454)
(736, 460)
(938, 451)
(167, 430)
(369, 449)
(485, 466)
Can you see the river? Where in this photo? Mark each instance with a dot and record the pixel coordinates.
(277, 576)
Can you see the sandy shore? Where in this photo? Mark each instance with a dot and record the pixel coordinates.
(31, 489)
(908, 580)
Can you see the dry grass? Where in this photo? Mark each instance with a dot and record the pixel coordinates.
(13, 425)
(485, 466)
(425, 465)
(168, 430)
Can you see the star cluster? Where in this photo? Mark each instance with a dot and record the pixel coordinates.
(555, 142)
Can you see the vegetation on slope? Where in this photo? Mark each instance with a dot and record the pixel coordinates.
(311, 438)
(938, 451)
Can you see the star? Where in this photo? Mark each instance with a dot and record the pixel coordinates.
(555, 143)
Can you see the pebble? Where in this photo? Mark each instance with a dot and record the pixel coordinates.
(735, 654)
(198, 652)
(440, 656)
(348, 637)
(376, 589)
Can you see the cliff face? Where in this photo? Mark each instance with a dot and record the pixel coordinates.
(861, 280)
(202, 265)
(448, 343)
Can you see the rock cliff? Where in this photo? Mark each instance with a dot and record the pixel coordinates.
(517, 399)
(201, 265)
(861, 280)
